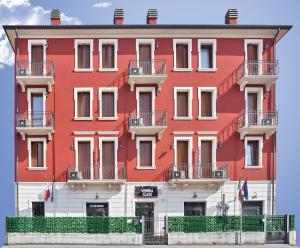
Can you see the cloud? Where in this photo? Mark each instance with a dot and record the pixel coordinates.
(15, 12)
(102, 5)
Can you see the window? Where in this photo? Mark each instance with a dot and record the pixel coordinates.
(194, 208)
(108, 151)
(108, 56)
(96, 209)
(108, 103)
(83, 55)
(253, 152)
(145, 152)
(183, 103)
(252, 207)
(38, 209)
(83, 98)
(207, 97)
(207, 55)
(207, 147)
(36, 153)
(254, 105)
(145, 105)
(84, 147)
(183, 154)
(145, 55)
(182, 50)
(36, 99)
(253, 53)
(37, 57)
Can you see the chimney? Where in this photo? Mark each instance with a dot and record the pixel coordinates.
(55, 17)
(152, 16)
(118, 16)
(231, 16)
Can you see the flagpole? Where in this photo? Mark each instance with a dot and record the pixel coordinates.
(241, 223)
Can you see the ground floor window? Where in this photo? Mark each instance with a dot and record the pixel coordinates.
(145, 209)
(194, 208)
(252, 207)
(96, 209)
(38, 209)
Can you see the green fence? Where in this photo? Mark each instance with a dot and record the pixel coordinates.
(72, 225)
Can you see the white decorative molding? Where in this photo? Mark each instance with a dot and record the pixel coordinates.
(108, 132)
(207, 132)
(183, 132)
(84, 132)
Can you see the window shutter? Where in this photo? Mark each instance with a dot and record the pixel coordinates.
(37, 60)
(182, 104)
(182, 56)
(206, 104)
(146, 153)
(108, 108)
(84, 153)
(206, 153)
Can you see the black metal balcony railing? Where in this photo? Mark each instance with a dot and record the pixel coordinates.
(35, 119)
(258, 118)
(154, 119)
(196, 172)
(96, 172)
(153, 67)
(29, 69)
(260, 68)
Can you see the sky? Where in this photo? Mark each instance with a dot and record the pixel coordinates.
(169, 12)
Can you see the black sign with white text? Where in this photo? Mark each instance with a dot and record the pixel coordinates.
(146, 191)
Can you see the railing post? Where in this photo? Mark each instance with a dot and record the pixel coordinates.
(143, 229)
(265, 226)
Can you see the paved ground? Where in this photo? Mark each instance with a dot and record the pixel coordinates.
(147, 246)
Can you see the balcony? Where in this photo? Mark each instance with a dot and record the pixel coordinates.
(33, 74)
(198, 174)
(258, 123)
(147, 123)
(106, 175)
(147, 72)
(258, 73)
(35, 123)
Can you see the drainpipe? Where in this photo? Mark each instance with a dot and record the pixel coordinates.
(15, 111)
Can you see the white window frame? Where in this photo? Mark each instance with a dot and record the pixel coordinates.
(139, 42)
(84, 139)
(213, 90)
(258, 42)
(29, 103)
(189, 90)
(115, 140)
(214, 149)
(138, 139)
(115, 91)
(108, 42)
(29, 141)
(137, 95)
(212, 42)
(189, 43)
(260, 151)
(260, 99)
(83, 42)
(37, 42)
(189, 139)
(76, 91)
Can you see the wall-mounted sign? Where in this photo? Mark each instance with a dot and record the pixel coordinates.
(146, 191)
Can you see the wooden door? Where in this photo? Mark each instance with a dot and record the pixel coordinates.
(252, 108)
(206, 159)
(37, 53)
(108, 160)
(252, 54)
(84, 159)
(145, 108)
(182, 156)
(145, 58)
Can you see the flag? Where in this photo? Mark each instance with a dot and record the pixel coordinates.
(47, 194)
(240, 191)
(245, 190)
(52, 193)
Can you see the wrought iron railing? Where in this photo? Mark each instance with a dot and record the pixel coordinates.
(28, 68)
(259, 68)
(258, 118)
(210, 171)
(153, 67)
(96, 172)
(152, 119)
(35, 119)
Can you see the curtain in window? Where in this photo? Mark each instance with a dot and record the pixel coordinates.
(108, 104)
(83, 56)
(108, 56)
(83, 104)
(37, 154)
(182, 104)
(206, 56)
(182, 56)
(252, 153)
(37, 60)
(206, 104)
(146, 153)
(108, 159)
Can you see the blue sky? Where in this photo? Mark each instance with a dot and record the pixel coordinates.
(170, 11)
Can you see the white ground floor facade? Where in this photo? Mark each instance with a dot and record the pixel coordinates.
(171, 200)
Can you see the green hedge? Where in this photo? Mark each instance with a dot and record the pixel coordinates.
(72, 225)
(195, 224)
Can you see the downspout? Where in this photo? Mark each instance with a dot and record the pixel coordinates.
(274, 136)
(15, 111)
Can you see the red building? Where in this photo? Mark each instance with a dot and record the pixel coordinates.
(150, 119)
